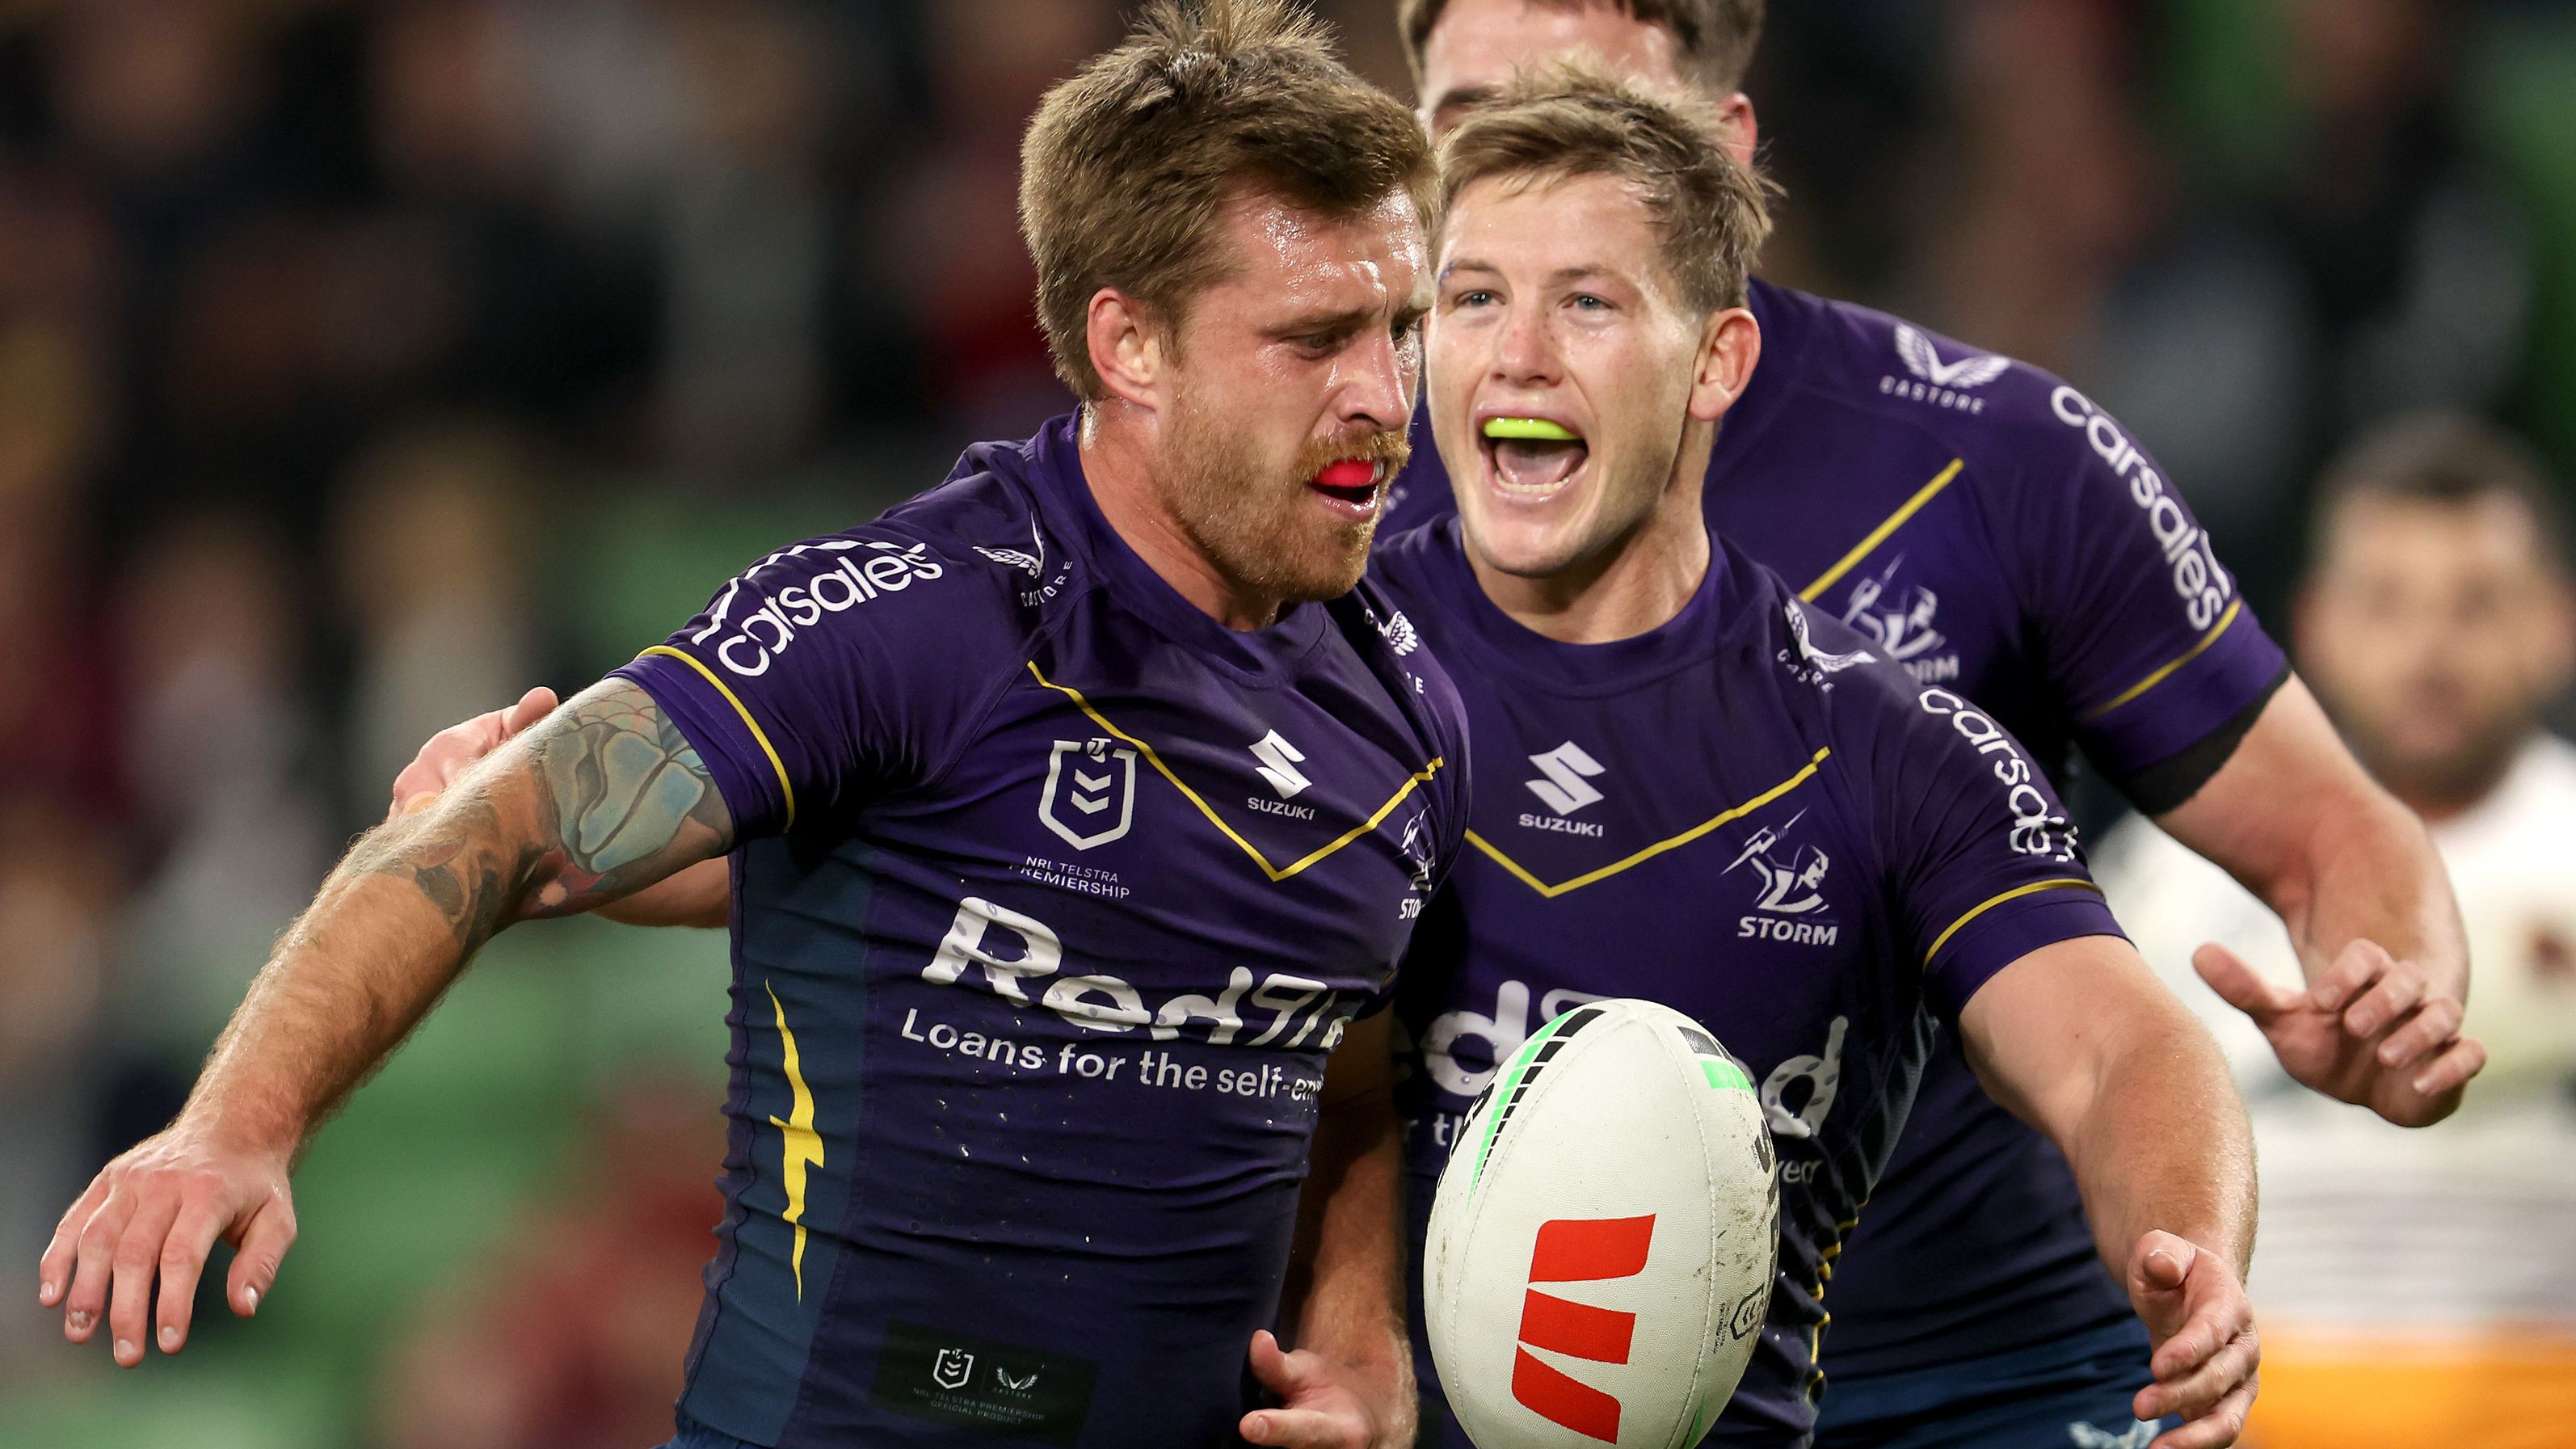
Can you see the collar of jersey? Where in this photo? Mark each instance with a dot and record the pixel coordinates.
(1685, 639)
(1255, 656)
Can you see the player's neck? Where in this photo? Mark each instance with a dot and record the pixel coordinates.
(1636, 586)
(1118, 463)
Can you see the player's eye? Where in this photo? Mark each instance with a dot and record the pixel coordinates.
(1476, 297)
(1588, 302)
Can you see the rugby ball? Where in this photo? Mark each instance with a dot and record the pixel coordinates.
(1603, 1238)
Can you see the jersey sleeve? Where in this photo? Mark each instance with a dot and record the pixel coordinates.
(827, 674)
(1981, 862)
(2143, 632)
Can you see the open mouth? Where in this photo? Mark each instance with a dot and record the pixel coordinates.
(1532, 459)
(1352, 483)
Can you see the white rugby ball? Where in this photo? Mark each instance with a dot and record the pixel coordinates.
(1603, 1239)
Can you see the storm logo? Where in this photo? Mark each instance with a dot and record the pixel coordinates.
(1789, 888)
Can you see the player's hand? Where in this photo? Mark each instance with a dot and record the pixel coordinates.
(158, 1209)
(2206, 1348)
(455, 749)
(2373, 1030)
(1325, 1404)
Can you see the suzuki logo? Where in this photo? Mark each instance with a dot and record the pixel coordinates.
(1924, 361)
(1564, 790)
(1577, 1250)
(953, 1369)
(1279, 764)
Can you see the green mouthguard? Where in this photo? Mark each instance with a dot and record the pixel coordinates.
(1538, 430)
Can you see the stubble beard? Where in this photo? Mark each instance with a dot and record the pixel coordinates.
(1250, 517)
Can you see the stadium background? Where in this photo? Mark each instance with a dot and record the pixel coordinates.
(361, 364)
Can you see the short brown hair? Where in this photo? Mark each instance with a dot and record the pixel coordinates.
(1717, 36)
(2446, 458)
(1568, 121)
(1128, 167)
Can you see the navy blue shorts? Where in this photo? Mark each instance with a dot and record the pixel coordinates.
(2070, 1395)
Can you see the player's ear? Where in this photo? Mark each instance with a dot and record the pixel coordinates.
(1129, 347)
(1742, 131)
(1730, 345)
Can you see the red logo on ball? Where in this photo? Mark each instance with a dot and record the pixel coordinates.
(1572, 1250)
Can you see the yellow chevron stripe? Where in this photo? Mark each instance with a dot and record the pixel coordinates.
(1878, 535)
(1275, 873)
(1650, 852)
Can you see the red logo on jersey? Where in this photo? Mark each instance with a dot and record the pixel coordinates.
(1572, 1250)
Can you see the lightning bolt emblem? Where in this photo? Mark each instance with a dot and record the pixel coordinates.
(800, 1145)
(1764, 839)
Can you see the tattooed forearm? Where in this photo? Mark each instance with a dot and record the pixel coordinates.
(632, 801)
(600, 799)
(603, 798)
(459, 862)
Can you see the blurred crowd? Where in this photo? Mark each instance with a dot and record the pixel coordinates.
(365, 361)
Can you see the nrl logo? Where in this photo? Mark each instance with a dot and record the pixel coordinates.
(1097, 786)
(1924, 361)
(953, 1368)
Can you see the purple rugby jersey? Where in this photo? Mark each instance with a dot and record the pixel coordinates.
(1054, 896)
(1997, 534)
(1751, 815)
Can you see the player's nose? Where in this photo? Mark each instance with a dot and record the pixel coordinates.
(1525, 352)
(1377, 392)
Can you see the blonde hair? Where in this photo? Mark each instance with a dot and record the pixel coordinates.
(1711, 213)
(1127, 169)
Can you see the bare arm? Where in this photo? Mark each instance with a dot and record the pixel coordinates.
(696, 895)
(600, 799)
(2369, 910)
(1350, 1382)
(2081, 1041)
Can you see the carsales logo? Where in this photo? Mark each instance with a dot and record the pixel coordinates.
(766, 631)
(2198, 581)
(1572, 1250)
(2036, 829)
